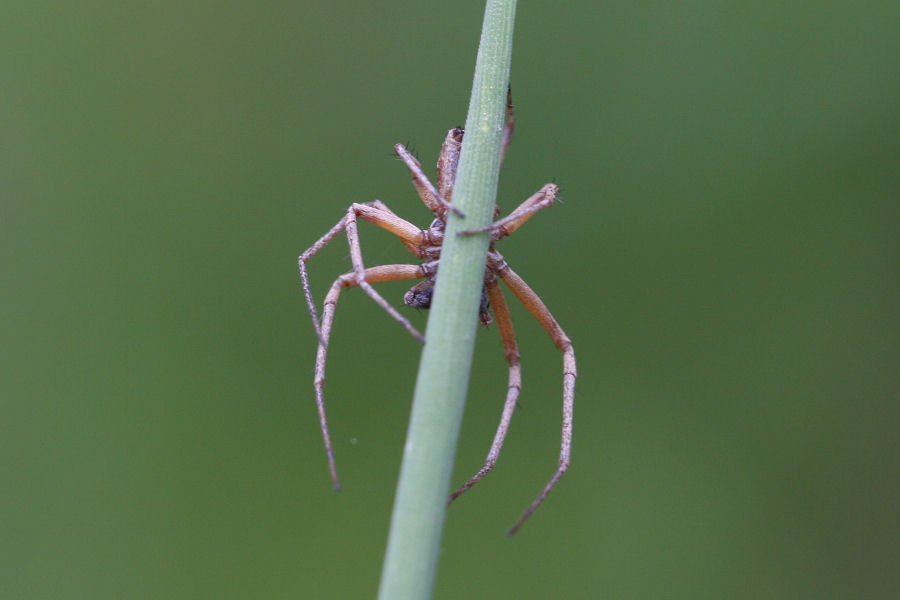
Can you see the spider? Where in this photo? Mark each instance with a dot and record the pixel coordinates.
(425, 244)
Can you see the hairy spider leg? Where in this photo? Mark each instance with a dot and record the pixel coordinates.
(427, 192)
(359, 268)
(304, 276)
(439, 199)
(448, 161)
(510, 127)
(375, 212)
(543, 198)
(539, 310)
(375, 275)
(511, 349)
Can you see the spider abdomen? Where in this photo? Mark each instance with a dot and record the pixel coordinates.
(419, 295)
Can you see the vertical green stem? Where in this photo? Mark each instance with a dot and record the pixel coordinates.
(417, 523)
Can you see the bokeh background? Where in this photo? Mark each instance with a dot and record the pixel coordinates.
(725, 260)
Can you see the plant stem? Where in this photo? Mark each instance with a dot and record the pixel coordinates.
(417, 523)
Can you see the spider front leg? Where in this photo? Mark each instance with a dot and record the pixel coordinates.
(375, 275)
(511, 349)
(379, 214)
(356, 259)
(448, 160)
(543, 198)
(539, 310)
(427, 192)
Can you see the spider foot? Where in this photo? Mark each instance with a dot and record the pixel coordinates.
(467, 485)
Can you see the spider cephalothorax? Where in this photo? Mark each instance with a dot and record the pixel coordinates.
(425, 244)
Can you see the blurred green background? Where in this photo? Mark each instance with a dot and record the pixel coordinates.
(725, 261)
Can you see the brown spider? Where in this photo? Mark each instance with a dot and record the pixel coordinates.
(425, 244)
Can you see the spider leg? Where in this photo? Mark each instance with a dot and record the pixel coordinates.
(510, 127)
(501, 228)
(427, 192)
(413, 243)
(448, 161)
(375, 212)
(304, 276)
(360, 270)
(540, 312)
(373, 274)
(511, 349)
